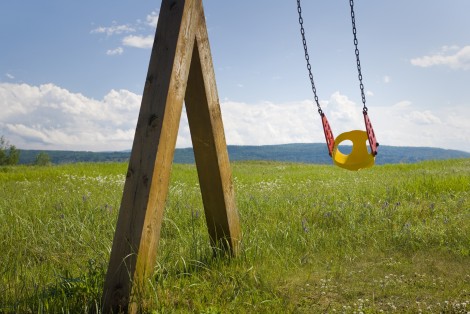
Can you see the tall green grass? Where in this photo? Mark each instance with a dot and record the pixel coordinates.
(394, 238)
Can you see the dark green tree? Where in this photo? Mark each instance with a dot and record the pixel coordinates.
(14, 155)
(3, 155)
(42, 159)
(9, 155)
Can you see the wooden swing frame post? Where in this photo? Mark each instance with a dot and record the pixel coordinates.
(180, 69)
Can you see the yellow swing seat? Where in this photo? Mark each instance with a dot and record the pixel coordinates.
(359, 158)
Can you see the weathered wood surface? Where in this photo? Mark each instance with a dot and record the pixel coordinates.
(210, 150)
(180, 44)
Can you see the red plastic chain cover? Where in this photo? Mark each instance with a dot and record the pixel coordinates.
(370, 134)
(330, 139)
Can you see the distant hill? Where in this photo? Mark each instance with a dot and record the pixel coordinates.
(318, 154)
(67, 156)
(305, 153)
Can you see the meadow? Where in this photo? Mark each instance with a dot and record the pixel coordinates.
(394, 238)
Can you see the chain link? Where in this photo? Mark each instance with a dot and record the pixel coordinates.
(307, 57)
(358, 62)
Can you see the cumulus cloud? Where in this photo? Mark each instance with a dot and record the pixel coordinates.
(50, 117)
(405, 125)
(269, 123)
(345, 112)
(423, 117)
(452, 56)
(10, 76)
(138, 41)
(399, 125)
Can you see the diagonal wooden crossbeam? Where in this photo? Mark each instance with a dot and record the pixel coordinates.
(180, 69)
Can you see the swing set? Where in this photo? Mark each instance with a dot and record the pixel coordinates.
(181, 69)
(360, 157)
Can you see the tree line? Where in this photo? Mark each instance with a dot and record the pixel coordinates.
(10, 155)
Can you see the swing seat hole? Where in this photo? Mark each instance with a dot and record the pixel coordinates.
(345, 147)
(353, 157)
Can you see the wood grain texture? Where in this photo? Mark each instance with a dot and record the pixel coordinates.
(210, 150)
(137, 232)
(180, 44)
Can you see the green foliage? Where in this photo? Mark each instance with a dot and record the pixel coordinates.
(66, 157)
(9, 155)
(315, 239)
(43, 159)
(82, 292)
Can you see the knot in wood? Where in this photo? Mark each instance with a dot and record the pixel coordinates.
(153, 121)
(145, 179)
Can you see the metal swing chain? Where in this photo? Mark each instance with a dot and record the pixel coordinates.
(307, 58)
(369, 129)
(326, 127)
(358, 61)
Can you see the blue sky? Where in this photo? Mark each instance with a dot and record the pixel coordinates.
(72, 72)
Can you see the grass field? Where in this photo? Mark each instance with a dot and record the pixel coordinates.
(394, 238)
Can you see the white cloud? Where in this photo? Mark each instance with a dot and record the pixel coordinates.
(140, 30)
(402, 104)
(346, 114)
(138, 41)
(451, 56)
(114, 30)
(446, 48)
(152, 19)
(269, 123)
(399, 125)
(50, 117)
(295, 122)
(11, 77)
(113, 52)
(423, 117)
(404, 125)
(386, 79)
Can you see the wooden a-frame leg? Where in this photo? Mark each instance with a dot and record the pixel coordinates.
(210, 150)
(180, 44)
